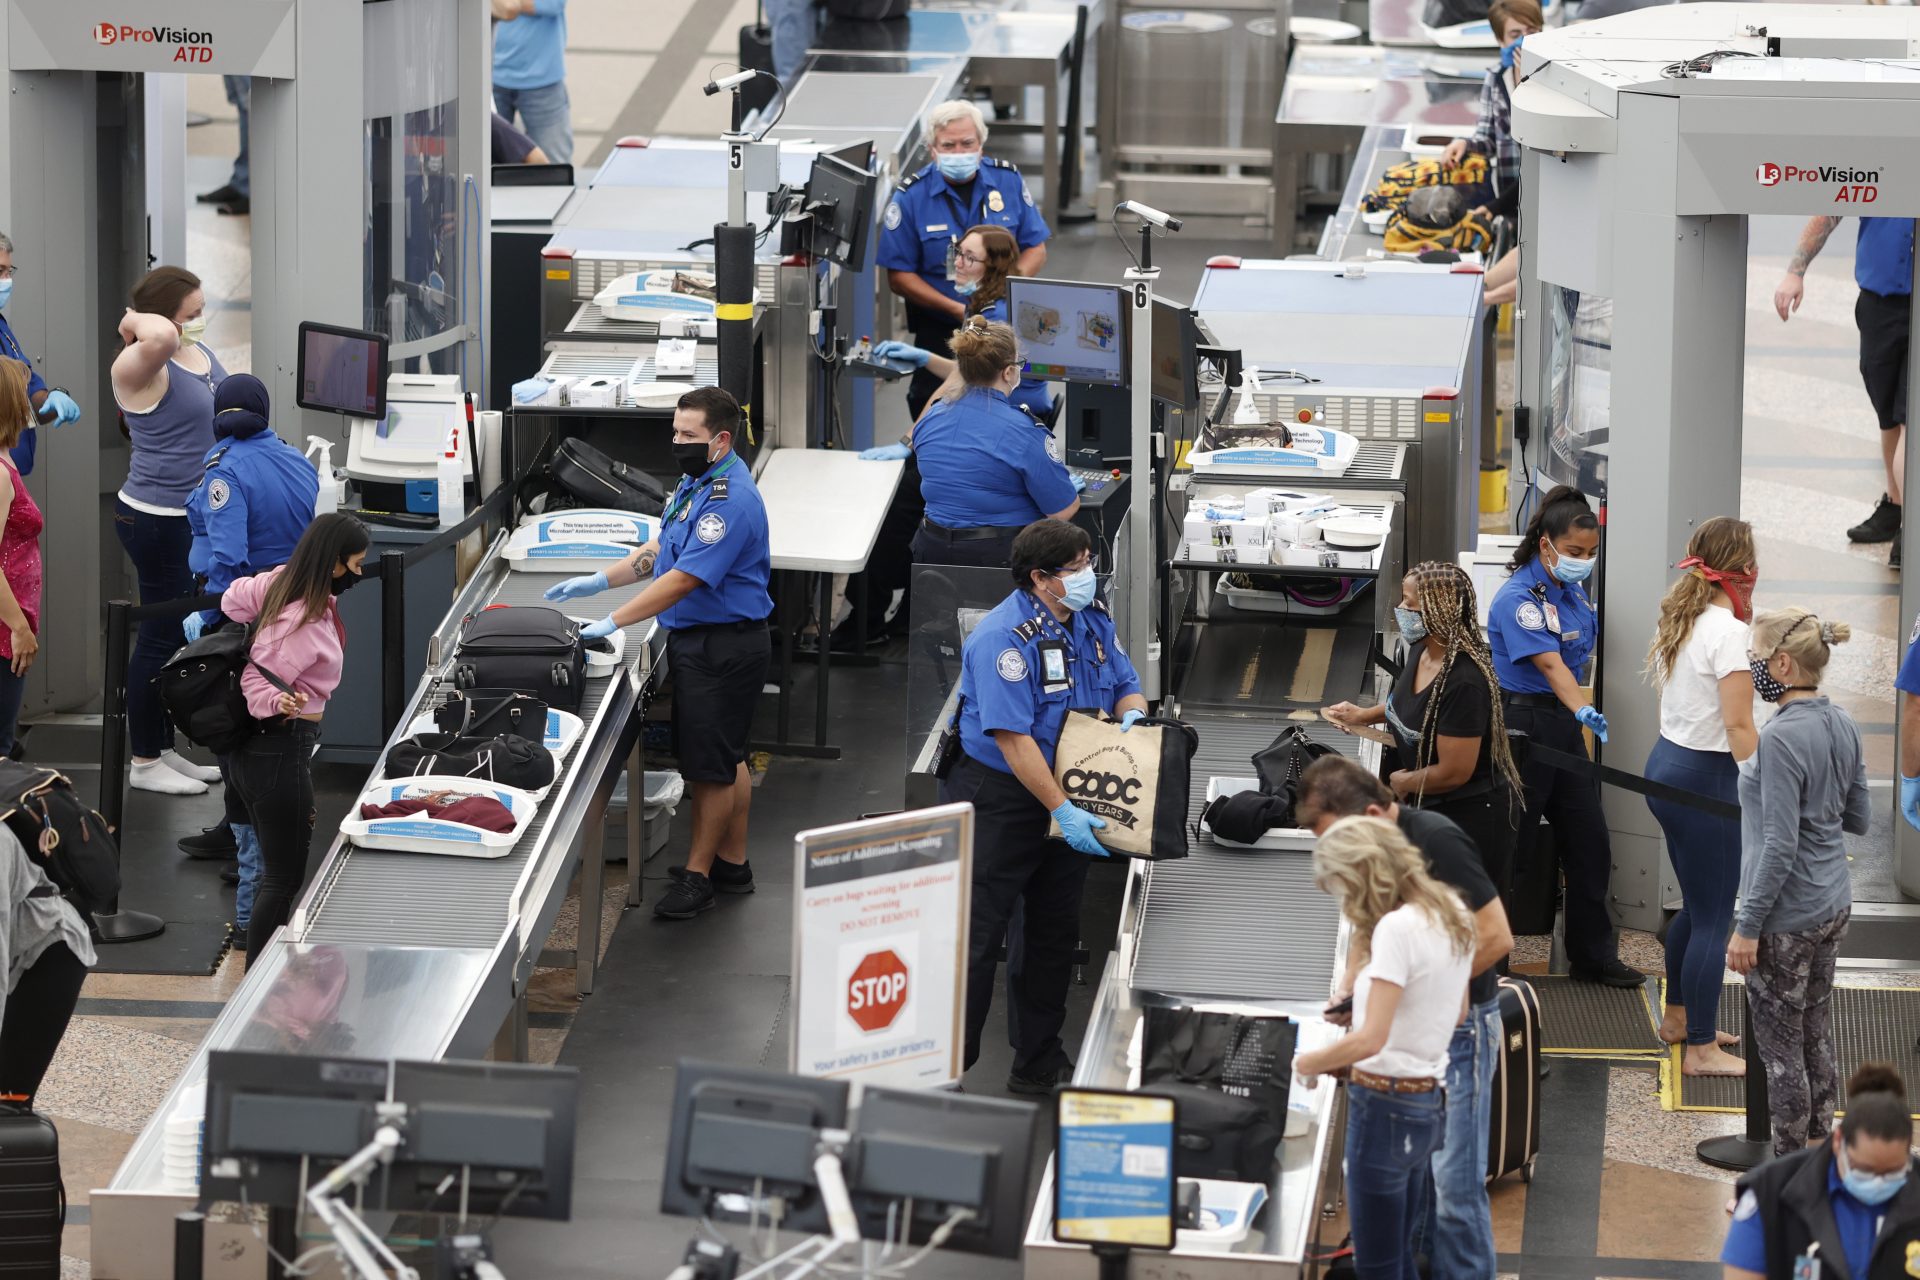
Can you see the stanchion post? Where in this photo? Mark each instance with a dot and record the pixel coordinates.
(189, 1239)
(113, 924)
(1741, 1152)
(393, 640)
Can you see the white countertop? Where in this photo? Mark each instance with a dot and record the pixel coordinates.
(825, 507)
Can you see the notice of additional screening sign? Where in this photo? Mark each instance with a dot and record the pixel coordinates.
(880, 948)
(1113, 1169)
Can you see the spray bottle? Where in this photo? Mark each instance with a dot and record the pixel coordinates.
(1247, 412)
(452, 480)
(333, 490)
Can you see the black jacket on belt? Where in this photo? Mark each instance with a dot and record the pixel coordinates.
(1793, 1200)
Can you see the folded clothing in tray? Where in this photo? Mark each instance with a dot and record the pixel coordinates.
(1245, 816)
(483, 812)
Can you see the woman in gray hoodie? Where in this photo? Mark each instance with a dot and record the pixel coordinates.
(1800, 794)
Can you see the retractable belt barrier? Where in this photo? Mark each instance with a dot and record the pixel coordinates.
(1631, 781)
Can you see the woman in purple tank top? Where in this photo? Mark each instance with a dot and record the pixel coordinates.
(163, 381)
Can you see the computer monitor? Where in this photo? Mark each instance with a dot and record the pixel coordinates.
(1174, 366)
(944, 1151)
(1068, 331)
(840, 198)
(267, 1113)
(859, 155)
(506, 1128)
(342, 371)
(736, 1129)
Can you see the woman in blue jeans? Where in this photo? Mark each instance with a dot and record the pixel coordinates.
(1699, 661)
(1408, 960)
(163, 381)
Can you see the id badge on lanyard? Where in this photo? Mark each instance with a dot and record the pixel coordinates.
(1053, 667)
(1807, 1265)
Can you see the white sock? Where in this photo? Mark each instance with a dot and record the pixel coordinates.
(155, 776)
(187, 768)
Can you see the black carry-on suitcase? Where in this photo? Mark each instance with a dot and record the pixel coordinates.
(756, 54)
(1513, 1131)
(33, 1200)
(527, 647)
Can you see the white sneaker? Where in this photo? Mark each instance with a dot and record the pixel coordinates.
(155, 776)
(181, 765)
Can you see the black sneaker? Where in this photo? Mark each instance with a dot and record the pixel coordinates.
(211, 844)
(219, 195)
(230, 875)
(1882, 526)
(726, 877)
(237, 938)
(1040, 1085)
(686, 898)
(1612, 974)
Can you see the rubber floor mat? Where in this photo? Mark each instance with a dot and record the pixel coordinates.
(191, 948)
(1590, 1019)
(1870, 1024)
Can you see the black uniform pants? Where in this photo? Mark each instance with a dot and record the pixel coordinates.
(1489, 819)
(1015, 864)
(933, 547)
(1571, 804)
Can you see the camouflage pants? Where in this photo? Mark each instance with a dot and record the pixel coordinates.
(1790, 995)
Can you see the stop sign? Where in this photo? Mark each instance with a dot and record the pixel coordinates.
(877, 991)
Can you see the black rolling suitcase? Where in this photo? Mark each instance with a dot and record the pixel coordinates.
(1513, 1131)
(527, 647)
(33, 1200)
(756, 54)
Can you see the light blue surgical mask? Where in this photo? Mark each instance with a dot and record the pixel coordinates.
(966, 288)
(958, 166)
(6, 292)
(1510, 54)
(1870, 1188)
(1568, 569)
(1081, 585)
(1412, 626)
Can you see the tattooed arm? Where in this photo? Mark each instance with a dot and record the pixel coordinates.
(1813, 238)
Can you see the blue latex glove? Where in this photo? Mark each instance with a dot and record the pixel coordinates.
(62, 406)
(1078, 826)
(904, 351)
(530, 390)
(1910, 801)
(599, 630)
(1079, 481)
(1591, 717)
(1127, 720)
(886, 453)
(587, 584)
(193, 624)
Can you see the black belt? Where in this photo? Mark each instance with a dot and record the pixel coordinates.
(753, 624)
(285, 726)
(978, 533)
(1544, 700)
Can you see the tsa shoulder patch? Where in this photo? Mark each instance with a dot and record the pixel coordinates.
(710, 528)
(1914, 634)
(1747, 1207)
(1026, 193)
(219, 492)
(1530, 616)
(1012, 666)
(893, 215)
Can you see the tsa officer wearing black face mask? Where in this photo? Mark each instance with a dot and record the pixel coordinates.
(1047, 648)
(710, 568)
(1542, 629)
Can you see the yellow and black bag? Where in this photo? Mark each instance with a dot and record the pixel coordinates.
(1403, 179)
(1439, 218)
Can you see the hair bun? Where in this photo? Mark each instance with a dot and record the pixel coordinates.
(1876, 1077)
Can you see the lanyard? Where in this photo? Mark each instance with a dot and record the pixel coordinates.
(1044, 616)
(681, 501)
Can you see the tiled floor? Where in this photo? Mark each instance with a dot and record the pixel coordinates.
(1619, 1192)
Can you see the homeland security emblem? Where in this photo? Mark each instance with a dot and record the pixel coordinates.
(893, 215)
(1011, 666)
(218, 492)
(1529, 616)
(994, 202)
(710, 528)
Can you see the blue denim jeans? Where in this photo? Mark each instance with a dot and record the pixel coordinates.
(792, 24)
(1705, 851)
(250, 867)
(1456, 1235)
(240, 94)
(545, 114)
(1391, 1138)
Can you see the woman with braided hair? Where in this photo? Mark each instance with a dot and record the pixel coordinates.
(1446, 723)
(1698, 660)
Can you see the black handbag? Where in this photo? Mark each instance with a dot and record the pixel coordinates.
(1248, 1057)
(1279, 765)
(528, 647)
(489, 713)
(506, 759)
(593, 478)
(1221, 1136)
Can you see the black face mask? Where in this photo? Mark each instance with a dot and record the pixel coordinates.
(344, 582)
(692, 457)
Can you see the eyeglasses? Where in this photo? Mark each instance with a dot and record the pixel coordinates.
(1092, 562)
(953, 146)
(8, 273)
(969, 259)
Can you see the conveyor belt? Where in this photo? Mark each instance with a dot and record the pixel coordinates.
(1229, 923)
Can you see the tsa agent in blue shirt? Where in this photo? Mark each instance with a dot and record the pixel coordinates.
(987, 469)
(1883, 268)
(52, 406)
(530, 72)
(710, 568)
(1908, 683)
(1542, 629)
(1047, 648)
(930, 211)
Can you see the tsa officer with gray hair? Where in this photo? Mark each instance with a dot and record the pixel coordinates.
(921, 229)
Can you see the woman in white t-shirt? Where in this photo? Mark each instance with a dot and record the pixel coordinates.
(1699, 662)
(1407, 966)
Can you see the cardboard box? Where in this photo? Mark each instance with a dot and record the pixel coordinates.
(1262, 503)
(1302, 525)
(1200, 530)
(1317, 555)
(1207, 553)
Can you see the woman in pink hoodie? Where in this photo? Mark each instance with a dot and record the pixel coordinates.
(298, 641)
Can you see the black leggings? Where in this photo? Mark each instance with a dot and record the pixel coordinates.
(37, 1015)
(275, 772)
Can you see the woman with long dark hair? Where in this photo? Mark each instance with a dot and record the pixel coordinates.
(299, 640)
(1542, 628)
(1698, 659)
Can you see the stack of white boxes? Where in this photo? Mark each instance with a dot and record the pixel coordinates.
(1269, 526)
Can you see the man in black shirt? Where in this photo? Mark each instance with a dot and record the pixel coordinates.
(1457, 1236)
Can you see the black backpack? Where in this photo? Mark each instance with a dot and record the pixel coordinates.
(593, 478)
(528, 647)
(63, 837)
(200, 688)
(509, 760)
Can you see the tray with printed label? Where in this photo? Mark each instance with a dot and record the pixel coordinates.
(421, 833)
(604, 656)
(579, 541)
(563, 730)
(1288, 839)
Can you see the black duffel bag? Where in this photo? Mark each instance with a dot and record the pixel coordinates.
(489, 713)
(596, 480)
(506, 759)
(528, 647)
